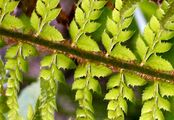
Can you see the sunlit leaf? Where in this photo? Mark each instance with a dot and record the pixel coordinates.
(100, 70)
(88, 44)
(51, 33)
(159, 63)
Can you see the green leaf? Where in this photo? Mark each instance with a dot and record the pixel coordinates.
(122, 52)
(149, 35)
(118, 4)
(4, 108)
(10, 100)
(79, 16)
(73, 30)
(28, 50)
(148, 107)
(116, 15)
(100, 71)
(106, 40)
(12, 52)
(51, 33)
(11, 83)
(112, 105)
(79, 84)
(119, 114)
(160, 13)
(123, 104)
(141, 50)
(80, 113)
(45, 74)
(128, 93)
(124, 36)
(162, 47)
(165, 5)
(84, 115)
(112, 114)
(23, 65)
(112, 94)
(154, 24)
(47, 61)
(11, 6)
(91, 27)
(88, 44)
(169, 25)
(11, 64)
(9, 92)
(159, 115)
(52, 14)
(65, 62)
(53, 4)
(40, 8)
(95, 15)
(95, 86)
(126, 22)
(163, 104)
(112, 27)
(1, 3)
(79, 95)
(147, 116)
(148, 93)
(159, 63)
(134, 80)
(11, 22)
(166, 35)
(114, 81)
(129, 12)
(19, 75)
(166, 89)
(99, 4)
(86, 5)
(87, 95)
(44, 83)
(81, 71)
(35, 21)
(58, 75)
(30, 113)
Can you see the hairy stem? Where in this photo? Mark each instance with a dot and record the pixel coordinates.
(147, 73)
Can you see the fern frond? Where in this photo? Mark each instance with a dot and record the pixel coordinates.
(153, 43)
(49, 77)
(6, 20)
(153, 40)
(41, 17)
(16, 64)
(117, 30)
(120, 92)
(155, 102)
(4, 107)
(83, 83)
(85, 23)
